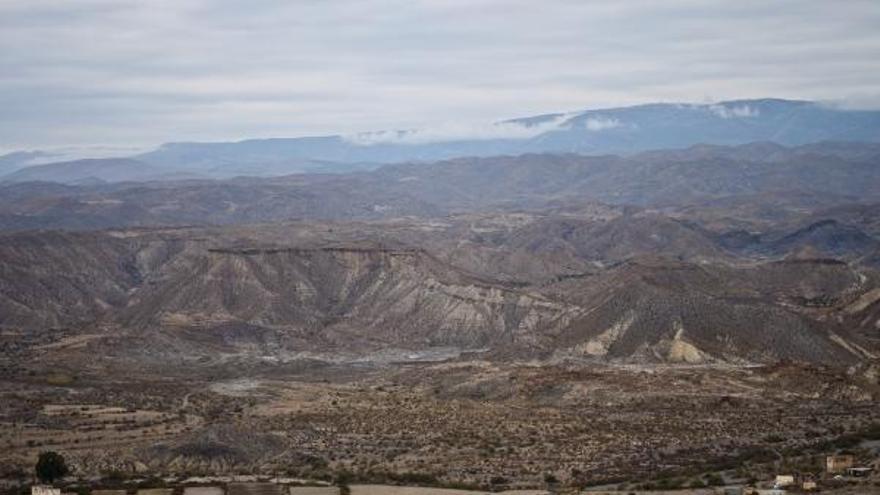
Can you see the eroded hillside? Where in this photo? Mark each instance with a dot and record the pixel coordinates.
(587, 289)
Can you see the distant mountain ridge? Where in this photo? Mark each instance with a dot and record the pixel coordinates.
(623, 130)
(92, 170)
(762, 173)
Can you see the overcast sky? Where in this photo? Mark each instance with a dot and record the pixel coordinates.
(141, 72)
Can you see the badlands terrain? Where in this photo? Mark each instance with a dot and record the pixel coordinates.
(670, 318)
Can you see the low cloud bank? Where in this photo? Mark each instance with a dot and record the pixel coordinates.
(741, 112)
(458, 132)
(601, 123)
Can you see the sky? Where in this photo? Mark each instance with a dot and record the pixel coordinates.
(131, 74)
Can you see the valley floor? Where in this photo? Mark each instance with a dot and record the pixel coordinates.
(470, 422)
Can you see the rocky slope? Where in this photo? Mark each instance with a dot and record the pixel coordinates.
(56, 279)
(283, 290)
(655, 310)
(340, 296)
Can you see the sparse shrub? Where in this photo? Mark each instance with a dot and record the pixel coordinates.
(714, 479)
(697, 483)
(497, 480)
(50, 467)
(59, 379)
(415, 478)
(669, 484)
(343, 478)
(773, 438)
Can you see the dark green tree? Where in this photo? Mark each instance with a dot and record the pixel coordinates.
(50, 467)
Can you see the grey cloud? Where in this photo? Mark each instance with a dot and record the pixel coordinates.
(126, 72)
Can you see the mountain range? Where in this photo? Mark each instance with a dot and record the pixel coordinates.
(623, 131)
(771, 181)
(737, 233)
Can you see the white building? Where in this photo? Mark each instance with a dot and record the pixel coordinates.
(45, 490)
(783, 480)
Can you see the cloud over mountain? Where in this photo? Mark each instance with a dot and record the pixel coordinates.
(133, 73)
